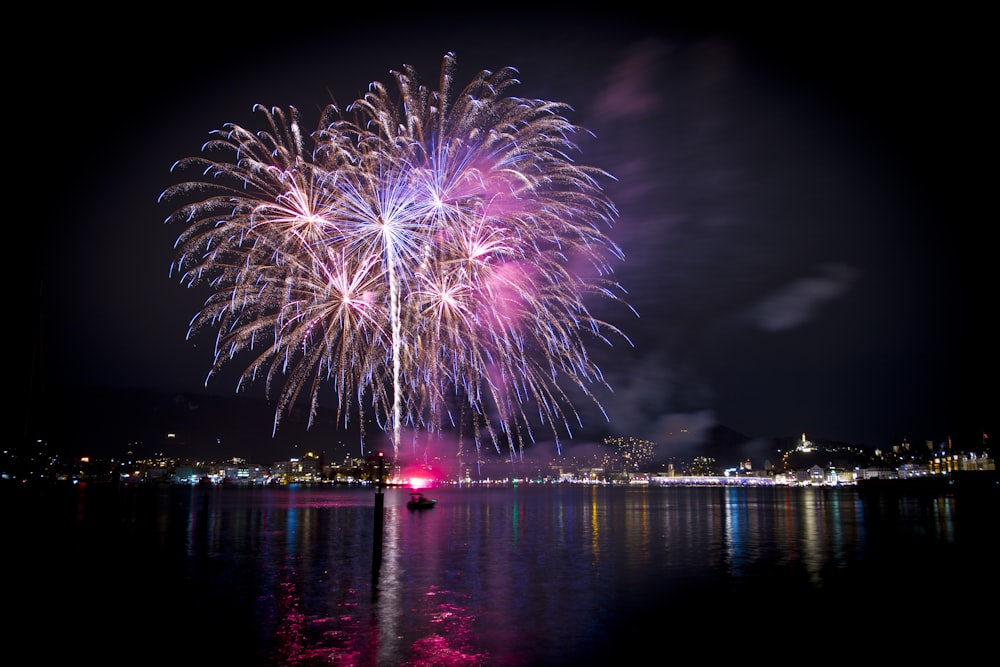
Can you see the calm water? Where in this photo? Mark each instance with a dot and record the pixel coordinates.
(535, 575)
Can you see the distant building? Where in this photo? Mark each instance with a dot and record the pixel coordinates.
(308, 468)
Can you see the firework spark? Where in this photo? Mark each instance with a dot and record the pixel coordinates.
(419, 257)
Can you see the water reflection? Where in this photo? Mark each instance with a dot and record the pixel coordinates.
(500, 576)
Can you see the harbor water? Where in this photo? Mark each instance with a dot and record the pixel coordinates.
(558, 574)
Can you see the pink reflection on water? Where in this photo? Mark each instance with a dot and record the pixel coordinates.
(435, 651)
(453, 640)
(303, 641)
(343, 641)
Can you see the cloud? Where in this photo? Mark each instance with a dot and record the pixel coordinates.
(802, 300)
(631, 93)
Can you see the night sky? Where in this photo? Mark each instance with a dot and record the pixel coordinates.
(801, 200)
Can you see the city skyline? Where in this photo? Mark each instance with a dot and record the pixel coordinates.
(125, 424)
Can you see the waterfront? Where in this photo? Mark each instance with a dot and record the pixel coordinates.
(511, 576)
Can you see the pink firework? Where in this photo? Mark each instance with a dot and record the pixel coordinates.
(415, 254)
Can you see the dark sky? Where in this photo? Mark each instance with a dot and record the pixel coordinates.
(802, 199)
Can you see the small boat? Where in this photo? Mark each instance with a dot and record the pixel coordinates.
(419, 502)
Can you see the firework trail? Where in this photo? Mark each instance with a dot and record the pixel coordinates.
(419, 253)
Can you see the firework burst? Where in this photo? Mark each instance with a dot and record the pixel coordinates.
(417, 253)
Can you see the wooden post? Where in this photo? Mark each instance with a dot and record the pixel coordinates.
(379, 520)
